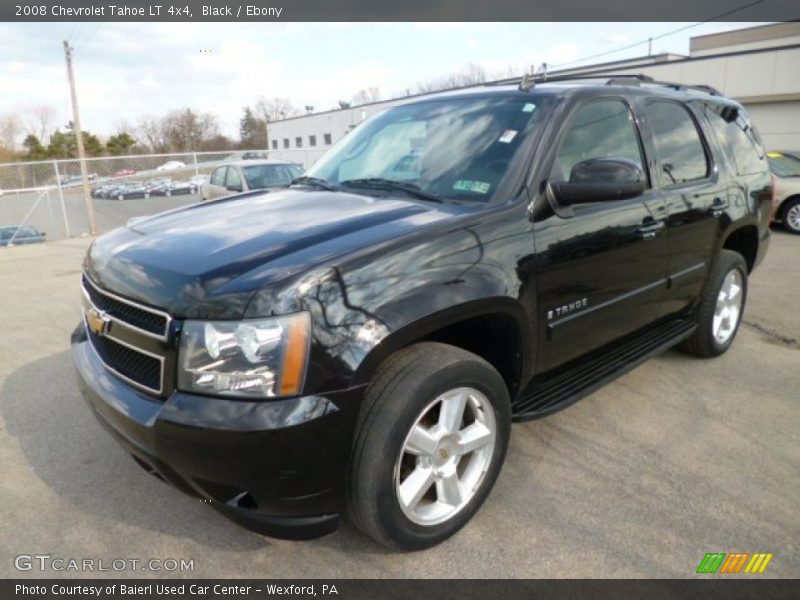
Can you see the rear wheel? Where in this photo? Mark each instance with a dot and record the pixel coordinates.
(432, 437)
(790, 216)
(720, 312)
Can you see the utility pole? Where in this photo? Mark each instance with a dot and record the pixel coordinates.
(76, 121)
(649, 46)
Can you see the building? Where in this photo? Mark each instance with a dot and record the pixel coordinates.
(758, 66)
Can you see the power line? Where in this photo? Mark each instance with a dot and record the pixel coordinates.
(91, 35)
(663, 35)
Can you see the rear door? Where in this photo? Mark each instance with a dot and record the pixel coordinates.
(600, 266)
(694, 192)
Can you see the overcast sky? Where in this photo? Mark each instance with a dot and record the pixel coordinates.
(126, 70)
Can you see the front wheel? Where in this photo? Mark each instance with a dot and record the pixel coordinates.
(432, 437)
(720, 312)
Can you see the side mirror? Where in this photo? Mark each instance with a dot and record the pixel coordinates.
(234, 188)
(600, 180)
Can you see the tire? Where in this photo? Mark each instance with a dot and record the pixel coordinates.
(790, 216)
(413, 384)
(709, 340)
(120, 197)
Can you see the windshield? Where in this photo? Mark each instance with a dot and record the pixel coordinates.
(782, 165)
(264, 176)
(456, 148)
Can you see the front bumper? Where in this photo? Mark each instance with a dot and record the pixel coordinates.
(277, 467)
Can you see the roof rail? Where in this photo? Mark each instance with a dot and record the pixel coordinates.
(632, 79)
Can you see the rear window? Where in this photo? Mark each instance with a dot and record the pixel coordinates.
(736, 134)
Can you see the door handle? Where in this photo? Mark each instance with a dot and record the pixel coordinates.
(650, 228)
(718, 206)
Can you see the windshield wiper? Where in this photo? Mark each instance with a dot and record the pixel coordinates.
(316, 182)
(392, 184)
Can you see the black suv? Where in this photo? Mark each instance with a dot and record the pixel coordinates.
(360, 342)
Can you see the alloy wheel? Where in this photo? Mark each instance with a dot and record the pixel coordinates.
(445, 456)
(728, 309)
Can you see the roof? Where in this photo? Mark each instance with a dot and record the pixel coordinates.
(256, 162)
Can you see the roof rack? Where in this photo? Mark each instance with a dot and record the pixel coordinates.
(529, 81)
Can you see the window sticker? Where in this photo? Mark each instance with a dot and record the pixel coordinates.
(528, 107)
(468, 185)
(508, 136)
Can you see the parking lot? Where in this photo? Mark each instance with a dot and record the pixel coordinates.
(109, 213)
(678, 458)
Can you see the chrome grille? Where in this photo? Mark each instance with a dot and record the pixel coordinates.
(133, 345)
(149, 320)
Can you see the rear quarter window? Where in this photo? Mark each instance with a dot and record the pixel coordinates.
(738, 138)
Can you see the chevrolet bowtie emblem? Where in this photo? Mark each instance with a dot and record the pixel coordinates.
(98, 321)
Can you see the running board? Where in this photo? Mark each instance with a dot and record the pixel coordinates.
(564, 386)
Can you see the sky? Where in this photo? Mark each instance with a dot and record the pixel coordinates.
(128, 70)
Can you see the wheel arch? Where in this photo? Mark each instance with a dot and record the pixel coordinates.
(496, 329)
(743, 240)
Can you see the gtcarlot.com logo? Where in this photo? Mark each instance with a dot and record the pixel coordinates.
(720, 562)
(47, 562)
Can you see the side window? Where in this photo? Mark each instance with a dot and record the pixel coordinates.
(233, 179)
(737, 136)
(602, 129)
(218, 177)
(678, 144)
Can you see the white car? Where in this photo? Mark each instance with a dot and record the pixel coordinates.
(172, 165)
(245, 175)
(786, 169)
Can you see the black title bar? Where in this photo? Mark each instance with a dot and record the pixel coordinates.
(398, 10)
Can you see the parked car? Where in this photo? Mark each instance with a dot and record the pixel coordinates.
(357, 344)
(785, 167)
(245, 176)
(126, 191)
(172, 165)
(174, 188)
(16, 235)
(199, 180)
(124, 173)
(253, 155)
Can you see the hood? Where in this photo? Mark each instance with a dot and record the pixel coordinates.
(206, 260)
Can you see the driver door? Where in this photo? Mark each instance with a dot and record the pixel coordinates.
(601, 266)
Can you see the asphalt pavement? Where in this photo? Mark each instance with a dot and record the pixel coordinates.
(678, 458)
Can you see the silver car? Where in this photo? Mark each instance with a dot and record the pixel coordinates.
(246, 175)
(785, 166)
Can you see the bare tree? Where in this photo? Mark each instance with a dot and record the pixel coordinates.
(39, 121)
(9, 131)
(367, 95)
(153, 131)
(472, 74)
(274, 109)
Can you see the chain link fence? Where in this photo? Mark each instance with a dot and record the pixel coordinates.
(44, 200)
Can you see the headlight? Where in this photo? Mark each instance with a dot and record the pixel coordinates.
(254, 358)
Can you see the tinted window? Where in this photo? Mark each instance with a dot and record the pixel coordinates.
(680, 149)
(327, 138)
(737, 136)
(218, 178)
(602, 129)
(233, 179)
